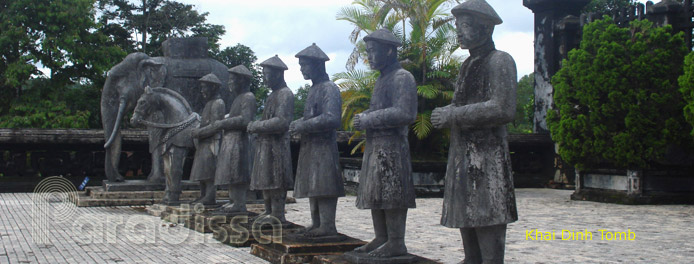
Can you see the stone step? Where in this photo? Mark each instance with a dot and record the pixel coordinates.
(99, 193)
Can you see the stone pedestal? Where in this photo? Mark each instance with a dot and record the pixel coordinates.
(351, 258)
(213, 221)
(241, 233)
(289, 250)
(143, 185)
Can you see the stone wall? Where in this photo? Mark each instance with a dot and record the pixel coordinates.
(30, 154)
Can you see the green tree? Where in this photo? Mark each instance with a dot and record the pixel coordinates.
(617, 98)
(606, 6)
(44, 106)
(243, 55)
(58, 35)
(153, 22)
(686, 82)
(356, 88)
(428, 45)
(525, 104)
(300, 100)
(367, 16)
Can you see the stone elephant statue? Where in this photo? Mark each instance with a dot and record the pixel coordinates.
(185, 60)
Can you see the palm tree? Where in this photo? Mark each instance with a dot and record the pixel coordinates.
(367, 16)
(427, 52)
(356, 88)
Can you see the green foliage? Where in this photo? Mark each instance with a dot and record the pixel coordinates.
(61, 36)
(617, 98)
(300, 100)
(429, 40)
(45, 114)
(525, 106)
(686, 82)
(356, 88)
(45, 106)
(606, 6)
(242, 55)
(155, 21)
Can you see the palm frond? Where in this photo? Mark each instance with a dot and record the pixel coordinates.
(422, 125)
(427, 91)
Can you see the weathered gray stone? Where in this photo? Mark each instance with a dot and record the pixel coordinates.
(208, 139)
(318, 174)
(385, 184)
(234, 160)
(479, 197)
(174, 123)
(184, 62)
(272, 167)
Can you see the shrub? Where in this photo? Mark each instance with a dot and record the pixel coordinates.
(617, 98)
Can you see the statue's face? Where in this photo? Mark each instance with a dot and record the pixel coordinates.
(471, 33)
(234, 82)
(207, 90)
(238, 83)
(307, 68)
(379, 54)
(272, 77)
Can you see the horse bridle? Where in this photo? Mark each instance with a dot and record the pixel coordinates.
(173, 128)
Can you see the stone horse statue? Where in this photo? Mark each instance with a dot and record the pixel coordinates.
(173, 135)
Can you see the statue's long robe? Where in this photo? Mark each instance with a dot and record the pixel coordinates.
(318, 170)
(272, 167)
(386, 172)
(234, 160)
(479, 181)
(205, 159)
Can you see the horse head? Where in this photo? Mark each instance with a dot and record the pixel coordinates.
(170, 103)
(143, 108)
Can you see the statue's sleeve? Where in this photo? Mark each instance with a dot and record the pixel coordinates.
(240, 122)
(216, 113)
(404, 108)
(501, 106)
(283, 116)
(329, 119)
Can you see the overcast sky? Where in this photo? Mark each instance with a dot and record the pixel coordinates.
(285, 27)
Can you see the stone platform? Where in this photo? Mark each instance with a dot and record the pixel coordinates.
(290, 251)
(345, 259)
(143, 193)
(96, 197)
(143, 185)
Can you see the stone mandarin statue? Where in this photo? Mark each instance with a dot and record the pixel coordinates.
(385, 184)
(208, 138)
(234, 161)
(318, 174)
(272, 167)
(479, 197)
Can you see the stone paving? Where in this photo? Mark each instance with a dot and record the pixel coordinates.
(661, 234)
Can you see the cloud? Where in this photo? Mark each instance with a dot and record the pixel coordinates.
(283, 27)
(520, 46)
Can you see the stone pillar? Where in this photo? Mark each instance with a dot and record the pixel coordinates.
(548, 15)
(634, 181)
(666, 12)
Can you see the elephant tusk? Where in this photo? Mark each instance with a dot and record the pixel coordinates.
(121, 111)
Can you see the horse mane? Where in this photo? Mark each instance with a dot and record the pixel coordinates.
(175, 95)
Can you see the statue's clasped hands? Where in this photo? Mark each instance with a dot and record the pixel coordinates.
(296, 127)
(356, 121)
(439, 117)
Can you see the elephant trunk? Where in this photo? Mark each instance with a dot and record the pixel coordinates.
(116, 127)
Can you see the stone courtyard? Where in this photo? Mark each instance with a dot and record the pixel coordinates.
(651, 233)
